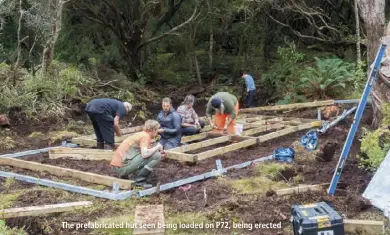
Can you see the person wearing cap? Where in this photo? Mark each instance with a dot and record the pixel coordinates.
(225, 107)
(250, 89)
(190, 123)
(105, 114)
(136, 154)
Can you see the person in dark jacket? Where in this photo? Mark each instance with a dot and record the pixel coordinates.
(170, 122)
(105, 114)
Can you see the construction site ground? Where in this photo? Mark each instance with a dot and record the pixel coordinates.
(242, 195)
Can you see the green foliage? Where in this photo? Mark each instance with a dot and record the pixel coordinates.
(290, 53)
(7, 200)
(374, 147)
(328, 79)
(4, 230)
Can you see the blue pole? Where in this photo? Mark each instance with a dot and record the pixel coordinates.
(356, 121)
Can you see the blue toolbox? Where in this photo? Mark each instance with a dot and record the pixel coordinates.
(316, 219)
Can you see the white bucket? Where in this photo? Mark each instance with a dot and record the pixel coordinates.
(238, 128)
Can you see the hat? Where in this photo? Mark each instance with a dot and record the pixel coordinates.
(216, 102)
(128, 105)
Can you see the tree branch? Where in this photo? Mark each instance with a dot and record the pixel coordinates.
(193, 16)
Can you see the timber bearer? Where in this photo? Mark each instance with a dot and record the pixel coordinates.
(225, 107)
(136, 154)
(105, 114)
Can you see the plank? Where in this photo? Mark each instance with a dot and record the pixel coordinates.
(225, 149)
(81, 154)
(263, 121)
(41, 210)
(59, 171)
(288, 130)
(289, 106)
(185, 157)
(202, 144)
(261, 129)
(190, 138)
(301, 189)
(148, 218)
(364, 227)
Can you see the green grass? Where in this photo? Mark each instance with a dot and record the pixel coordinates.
(271, 170)
(256, 185)
(7, 200)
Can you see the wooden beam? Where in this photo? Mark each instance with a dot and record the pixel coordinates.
(81, 154)
(59, 171)
(301, 189)
(289, 106)
(364, 227)
(261, 129)
(190, 138)
(41, 210)
(203, 144)
(229, 148)
(149, 215)
(288, 130)
(184, 157)
(254, 140)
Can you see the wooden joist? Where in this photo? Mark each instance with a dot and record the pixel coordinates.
(254, 140)
(41, 210)
(364, 227)
(191, 138)
(289, 106)
(184, 157)
(288, 130)
(81, 154)
(261, 129)
(59, 171)
(203, 144)
(301, 189)
(222, 150)
(150, 216)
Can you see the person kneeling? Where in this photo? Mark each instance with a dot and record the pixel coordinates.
(190, 123)
(136, 154)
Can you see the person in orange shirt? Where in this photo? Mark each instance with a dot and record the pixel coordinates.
(136, 154)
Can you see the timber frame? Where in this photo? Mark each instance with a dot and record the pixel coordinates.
(254, 128)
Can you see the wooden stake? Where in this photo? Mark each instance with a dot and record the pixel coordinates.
(59, 171)
(40, 210)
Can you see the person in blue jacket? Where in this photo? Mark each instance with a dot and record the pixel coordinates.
(170, 122)
(250, 89)
(105, 114)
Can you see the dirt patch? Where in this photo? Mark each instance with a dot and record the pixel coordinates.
(327, 152)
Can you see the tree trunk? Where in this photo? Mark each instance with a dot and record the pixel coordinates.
(56, 21)
(211, 48)
(373, 14)
(357, 19)
(198, 70)
(19, 56)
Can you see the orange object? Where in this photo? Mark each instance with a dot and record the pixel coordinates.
(220, 121)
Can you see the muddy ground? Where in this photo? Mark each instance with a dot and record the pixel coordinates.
(224, 203)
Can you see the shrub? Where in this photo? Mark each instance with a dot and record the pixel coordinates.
(374, 147)
(328, 78)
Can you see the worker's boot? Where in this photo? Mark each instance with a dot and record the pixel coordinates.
(100, 145)
(109, 146)
(140, 180)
